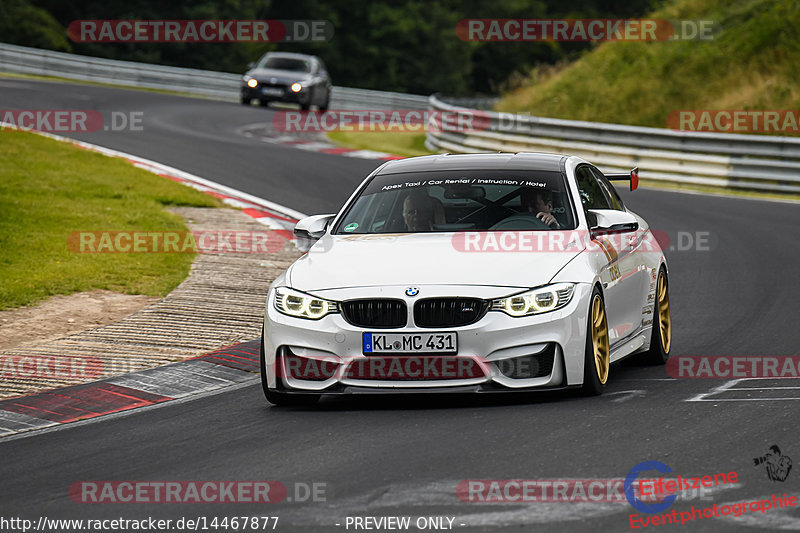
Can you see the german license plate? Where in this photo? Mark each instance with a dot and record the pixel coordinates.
(440, 342)
(272, 91)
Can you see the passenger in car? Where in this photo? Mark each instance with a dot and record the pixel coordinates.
(421, 212)
(539, 201)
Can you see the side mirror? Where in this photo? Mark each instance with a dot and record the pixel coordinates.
(250, 65)
(603, 221)
(312, 227)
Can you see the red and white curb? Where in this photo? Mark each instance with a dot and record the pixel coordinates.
(204, 374)
(279, 218)
(210, 372)
(316, 143)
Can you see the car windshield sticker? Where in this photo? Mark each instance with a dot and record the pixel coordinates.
(464, 181)
(351, 227)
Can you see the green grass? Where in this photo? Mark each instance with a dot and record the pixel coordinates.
(49, 189)
(398, 143)
(751, 65)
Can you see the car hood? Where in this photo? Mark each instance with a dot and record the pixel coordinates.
(281, 76)
(338, 261)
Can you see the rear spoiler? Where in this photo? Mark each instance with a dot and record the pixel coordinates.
(633, 176)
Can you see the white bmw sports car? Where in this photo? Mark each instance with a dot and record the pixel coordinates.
(468, 273)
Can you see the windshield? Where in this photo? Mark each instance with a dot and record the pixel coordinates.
(286, 63)
(460, 201)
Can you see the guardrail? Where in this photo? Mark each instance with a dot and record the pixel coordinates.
(754, 162)
(217, 85)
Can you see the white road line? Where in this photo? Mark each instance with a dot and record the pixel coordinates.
(722, 388)
(766, 388)
(730, 386)
(646, 379)
(626, 395)
(746, 400)
(780, 518)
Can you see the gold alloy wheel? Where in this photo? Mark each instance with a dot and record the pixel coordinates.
(600, 339)
(664, 320)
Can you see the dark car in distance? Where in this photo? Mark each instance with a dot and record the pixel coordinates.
(286, 77)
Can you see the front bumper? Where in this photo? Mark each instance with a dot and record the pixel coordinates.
(496, 353)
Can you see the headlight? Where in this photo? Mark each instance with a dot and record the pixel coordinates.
(252, 82)
(294, 303)
(536, 301)
(296, 87)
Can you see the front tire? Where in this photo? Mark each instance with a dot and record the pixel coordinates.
(282, 398)
(324, 107)
(661, 336)
(597, 356)
(245, 100)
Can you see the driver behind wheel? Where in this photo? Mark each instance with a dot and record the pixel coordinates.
(539, 201)
(419, 211)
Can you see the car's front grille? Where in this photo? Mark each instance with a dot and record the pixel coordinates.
(448, 312)
(379, 313)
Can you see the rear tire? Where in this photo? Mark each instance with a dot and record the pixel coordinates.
(282, 398)
(263, 103)
(661, 336)
(597, 355)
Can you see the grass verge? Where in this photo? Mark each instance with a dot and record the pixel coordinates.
(750, 65)
(49, 189)
(397, 143)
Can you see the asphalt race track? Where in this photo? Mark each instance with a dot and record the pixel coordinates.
(405, 456)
